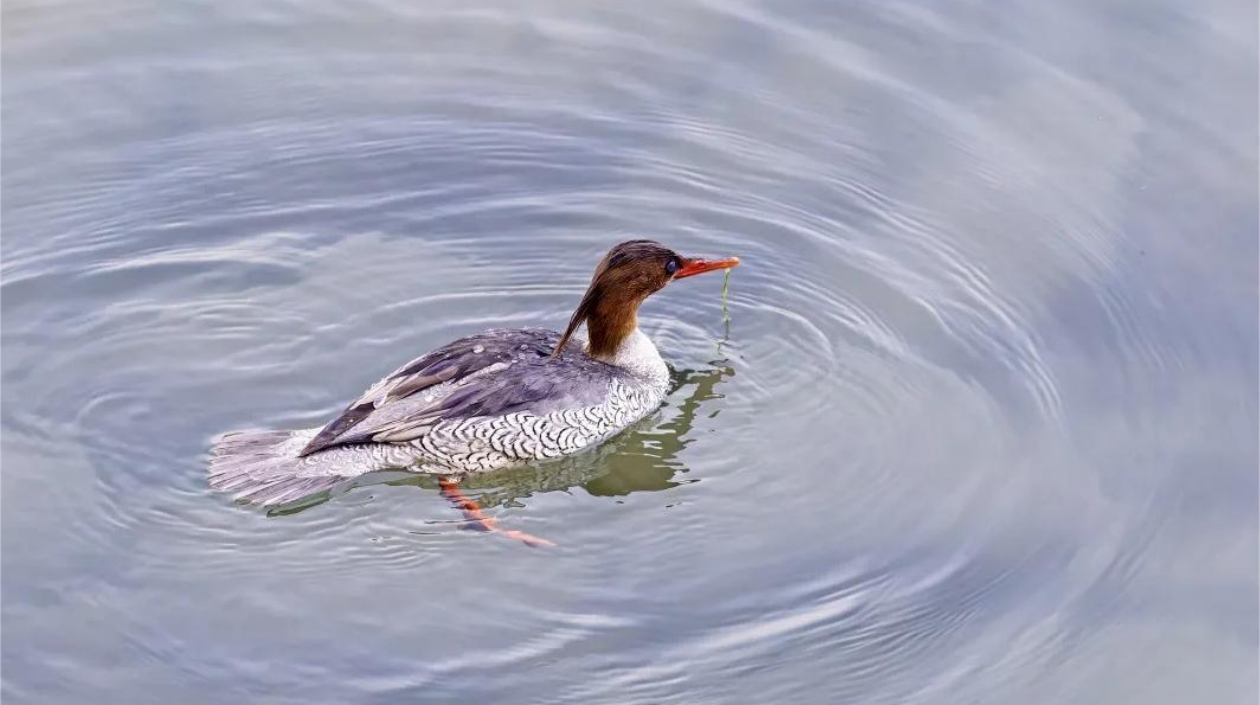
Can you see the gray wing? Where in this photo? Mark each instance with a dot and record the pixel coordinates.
(489, 374)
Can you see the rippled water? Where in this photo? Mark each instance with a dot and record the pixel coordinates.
(980, 427)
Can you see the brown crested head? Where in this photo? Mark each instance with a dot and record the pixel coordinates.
(628, 274)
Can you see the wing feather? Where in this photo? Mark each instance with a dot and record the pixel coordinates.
(489, 374)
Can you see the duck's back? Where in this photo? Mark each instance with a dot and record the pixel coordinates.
(482, 402)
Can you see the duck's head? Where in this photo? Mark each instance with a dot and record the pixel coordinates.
(628, 274)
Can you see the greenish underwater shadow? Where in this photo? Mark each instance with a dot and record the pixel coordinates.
(643, 458)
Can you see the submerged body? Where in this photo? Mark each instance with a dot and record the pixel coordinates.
(485, 402)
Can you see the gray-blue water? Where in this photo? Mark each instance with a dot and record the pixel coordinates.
(981, 427)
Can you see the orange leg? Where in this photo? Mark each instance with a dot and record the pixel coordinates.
(478, 519)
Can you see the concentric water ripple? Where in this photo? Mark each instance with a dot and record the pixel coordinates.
(979, 395)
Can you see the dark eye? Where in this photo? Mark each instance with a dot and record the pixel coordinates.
(671, 266)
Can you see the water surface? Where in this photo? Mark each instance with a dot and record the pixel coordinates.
(980, 426)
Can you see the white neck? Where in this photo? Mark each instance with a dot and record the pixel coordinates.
(638, 355)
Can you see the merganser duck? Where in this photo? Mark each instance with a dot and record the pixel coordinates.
(488, 401)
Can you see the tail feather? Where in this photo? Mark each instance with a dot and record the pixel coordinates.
(262, 467)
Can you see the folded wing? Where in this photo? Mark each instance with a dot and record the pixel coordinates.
(493, 373)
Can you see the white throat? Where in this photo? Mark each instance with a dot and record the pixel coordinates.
(638, 355)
